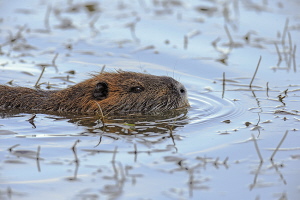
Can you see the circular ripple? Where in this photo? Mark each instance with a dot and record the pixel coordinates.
(207, 107)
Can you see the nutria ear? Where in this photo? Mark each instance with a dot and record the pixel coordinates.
(101, 91)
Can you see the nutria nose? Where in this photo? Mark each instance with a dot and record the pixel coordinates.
(182, 90)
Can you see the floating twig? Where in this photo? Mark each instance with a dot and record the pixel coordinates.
(257, 149)
(255, 72)
(275, 151)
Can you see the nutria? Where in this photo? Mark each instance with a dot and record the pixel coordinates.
(114, 92)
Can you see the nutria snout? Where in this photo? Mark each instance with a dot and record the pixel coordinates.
(114, 92)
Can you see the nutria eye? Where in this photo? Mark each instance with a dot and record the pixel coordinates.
(137, 89)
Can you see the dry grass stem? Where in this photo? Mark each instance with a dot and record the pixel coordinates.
(229, 36)
(289, 61)
(268, 89)
(75, 151)
(38, 153)
(224, 82)
(294, 58)
(54, 59)
(258, 119)
(285, 31)
(101, 117)
(38, 158)
(257, 149)
(114, 154)
(275, 151)
(102, 70)
(31, 119)
(279, 55)
(47, 16)
(14, 146)
(185, 42)
(37, 82)
(255, 72)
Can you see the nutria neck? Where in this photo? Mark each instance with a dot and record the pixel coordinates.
(73, 99)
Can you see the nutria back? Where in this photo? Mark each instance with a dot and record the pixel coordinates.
(113, 92)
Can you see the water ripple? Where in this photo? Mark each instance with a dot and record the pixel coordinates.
(208, 107)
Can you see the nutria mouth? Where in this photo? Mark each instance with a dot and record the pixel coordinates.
(114, 92)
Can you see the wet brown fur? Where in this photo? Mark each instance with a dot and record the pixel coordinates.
(160, 93)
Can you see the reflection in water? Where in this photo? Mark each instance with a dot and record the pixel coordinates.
(133, 124)
(118, 124)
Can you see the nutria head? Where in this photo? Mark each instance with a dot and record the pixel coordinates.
(123, 92)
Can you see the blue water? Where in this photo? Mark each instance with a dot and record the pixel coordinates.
(205, 152)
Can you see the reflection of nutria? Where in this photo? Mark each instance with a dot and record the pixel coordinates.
(118, 92)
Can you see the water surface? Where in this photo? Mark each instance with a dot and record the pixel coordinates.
(207, 151)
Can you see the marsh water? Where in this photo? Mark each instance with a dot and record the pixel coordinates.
(234, 142)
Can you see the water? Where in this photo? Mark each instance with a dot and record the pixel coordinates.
(206, 151)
